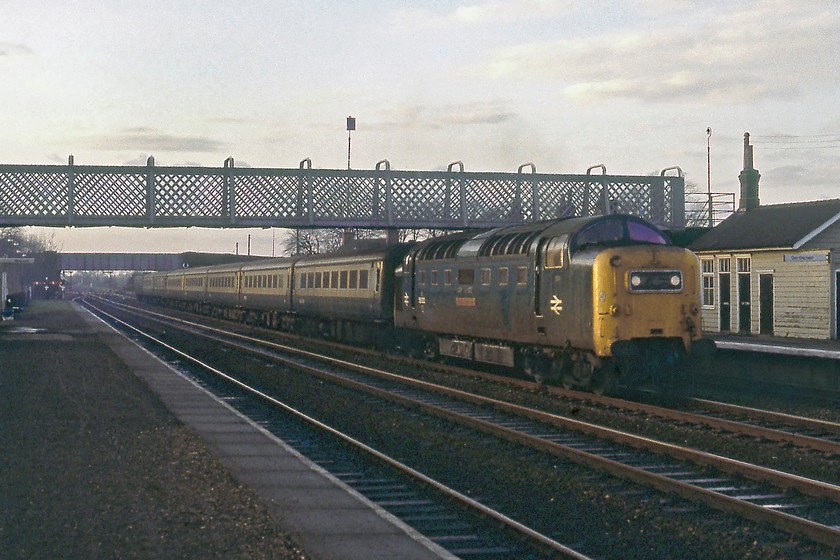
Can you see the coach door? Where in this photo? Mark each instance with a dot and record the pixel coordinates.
(725, 295)
(744, 296)
(765, 302)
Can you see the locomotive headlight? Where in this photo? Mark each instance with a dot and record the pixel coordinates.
(676, 280)
(635, 280)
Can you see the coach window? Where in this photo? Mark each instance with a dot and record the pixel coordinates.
(363, 279)
(302, 280)
(354, 279)
(310, 280)
(504, 276)
(317, 279)
(343, 279)
(334, 279)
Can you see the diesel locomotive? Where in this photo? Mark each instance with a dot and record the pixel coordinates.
(581, 301)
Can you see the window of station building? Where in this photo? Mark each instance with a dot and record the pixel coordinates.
(342, 279)
(724, 265)
(485, 276)
(363, 279)
(466, 276)
(521, 275)
(433, 277)
(504, 276)
(708, 267)
(318, 276)
(447, 277)
(354, 279)
(743, 264)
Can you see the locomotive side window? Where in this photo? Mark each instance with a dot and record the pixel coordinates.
(447, 277)
(421, 277)
(466, 276)
(504, 276)
(554, 252)
(521, 275)
(433, 279)
(485, 276)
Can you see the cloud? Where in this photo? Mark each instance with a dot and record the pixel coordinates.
(482, 14)
(479, 113)
(14, 49)
(151, 140)
(769, 49)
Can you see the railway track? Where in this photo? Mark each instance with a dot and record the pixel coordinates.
(792, 503)
(423, 502)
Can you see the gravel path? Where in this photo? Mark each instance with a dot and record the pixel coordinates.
(93, 466)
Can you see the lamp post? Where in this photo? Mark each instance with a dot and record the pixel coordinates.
(351, 126)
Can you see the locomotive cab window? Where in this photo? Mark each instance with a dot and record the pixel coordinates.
(617, 231)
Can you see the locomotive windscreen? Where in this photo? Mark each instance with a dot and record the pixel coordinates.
(618, 230)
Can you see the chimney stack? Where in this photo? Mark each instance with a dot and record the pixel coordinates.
(748, 177)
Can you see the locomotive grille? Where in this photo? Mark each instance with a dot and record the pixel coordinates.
(655, 281)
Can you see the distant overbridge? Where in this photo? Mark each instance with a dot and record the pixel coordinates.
(142, 261)
(382, 198)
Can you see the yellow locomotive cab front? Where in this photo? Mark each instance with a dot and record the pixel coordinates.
(644, 293)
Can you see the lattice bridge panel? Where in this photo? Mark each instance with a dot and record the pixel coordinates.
(151, 196)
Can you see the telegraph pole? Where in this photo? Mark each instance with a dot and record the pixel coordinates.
(709, 175)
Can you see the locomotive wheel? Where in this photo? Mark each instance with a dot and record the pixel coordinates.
(430, 350)
(580, 373)
(603, 379)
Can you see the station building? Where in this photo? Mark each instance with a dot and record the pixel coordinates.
(774, 269)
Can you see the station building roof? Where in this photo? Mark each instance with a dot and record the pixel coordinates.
(788, 225)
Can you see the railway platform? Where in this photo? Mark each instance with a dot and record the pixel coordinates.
(806, 347)
(788, 363)
(91, 463)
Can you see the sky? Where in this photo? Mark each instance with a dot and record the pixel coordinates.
(565, 84)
